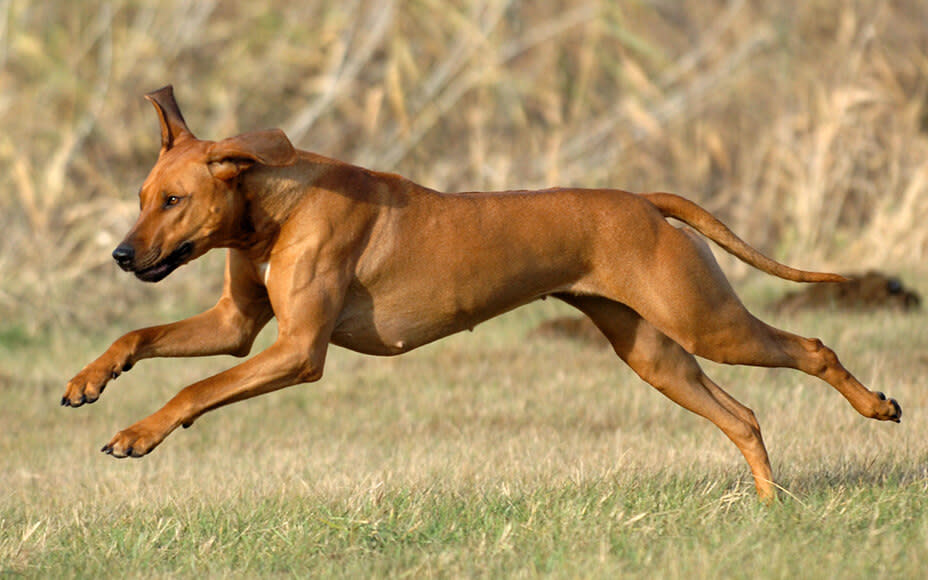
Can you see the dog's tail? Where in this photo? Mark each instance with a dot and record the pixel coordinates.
(686, 211)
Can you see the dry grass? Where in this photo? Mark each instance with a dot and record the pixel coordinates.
(487, 454)
(800, 123)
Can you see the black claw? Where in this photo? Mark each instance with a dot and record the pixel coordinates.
(881, 396)
(83, 400)
(898, 409)
(114, 375)
(126, 367)
(64, 401)
(106, 449)
(129, 452)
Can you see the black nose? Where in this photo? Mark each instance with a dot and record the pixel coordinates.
(124, 254)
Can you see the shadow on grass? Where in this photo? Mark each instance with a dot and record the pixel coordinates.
(873, 477)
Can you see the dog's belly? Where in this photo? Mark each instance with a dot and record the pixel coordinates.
(399, 335)
(413, 316)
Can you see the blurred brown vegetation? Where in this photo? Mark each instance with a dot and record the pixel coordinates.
(802, 124)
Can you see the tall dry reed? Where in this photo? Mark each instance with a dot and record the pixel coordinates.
(802, 124)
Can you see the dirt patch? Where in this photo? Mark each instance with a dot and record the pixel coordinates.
(578, 328)
(871, 290)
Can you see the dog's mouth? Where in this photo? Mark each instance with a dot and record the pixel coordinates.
(171, 262)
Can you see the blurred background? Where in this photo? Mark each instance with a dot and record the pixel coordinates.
(803, 124)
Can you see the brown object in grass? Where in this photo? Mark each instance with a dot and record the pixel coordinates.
(871, 290)
(578, 328)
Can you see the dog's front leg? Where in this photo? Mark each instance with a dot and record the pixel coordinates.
(220, 330)
(229, 327)
(305, 301)
(283, 364)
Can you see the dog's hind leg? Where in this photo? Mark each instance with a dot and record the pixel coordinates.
(674, 372)
(768, 346)
(687, 297)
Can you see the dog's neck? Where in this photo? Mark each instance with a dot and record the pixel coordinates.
(272, 194)
(266, 198)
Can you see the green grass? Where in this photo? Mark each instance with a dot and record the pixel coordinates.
(484, 455)
(668, 527)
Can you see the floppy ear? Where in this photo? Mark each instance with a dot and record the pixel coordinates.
(173, 127)
(230, 157)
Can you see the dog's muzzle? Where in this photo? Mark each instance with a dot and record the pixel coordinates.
(124, 254)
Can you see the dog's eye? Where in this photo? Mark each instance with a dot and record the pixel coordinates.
(170, 200)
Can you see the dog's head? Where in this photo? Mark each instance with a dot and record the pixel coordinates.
(190, 203)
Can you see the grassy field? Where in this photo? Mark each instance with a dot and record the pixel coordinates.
(804, 125)
(486, 455)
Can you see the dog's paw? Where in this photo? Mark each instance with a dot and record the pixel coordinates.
(136, 441)
(887, 409)
(86, 386)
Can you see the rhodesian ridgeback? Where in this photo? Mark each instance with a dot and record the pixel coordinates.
(378, 264)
